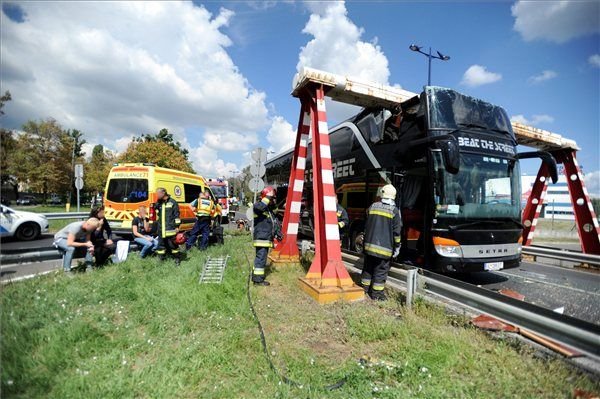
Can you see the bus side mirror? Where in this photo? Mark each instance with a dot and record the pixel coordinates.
(450, 154)
(546, 158)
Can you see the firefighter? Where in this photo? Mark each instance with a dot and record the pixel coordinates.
(382, 242)
(167, 217)
(264, 232)
(204, 208)
(343, 221)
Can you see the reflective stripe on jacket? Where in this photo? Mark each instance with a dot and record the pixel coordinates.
(167, 215)
(205, 207)
(263, 224)
(382, 231)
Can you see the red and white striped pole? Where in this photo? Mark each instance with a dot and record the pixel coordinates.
(287, 250)
(327, 278)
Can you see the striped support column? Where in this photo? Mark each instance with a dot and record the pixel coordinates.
(287, 250)
(585, 217)
(327, 264)
(534, 204)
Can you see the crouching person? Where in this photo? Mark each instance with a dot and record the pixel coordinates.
(76, 235)
(104, 246)
(142, 233)
(264, 232)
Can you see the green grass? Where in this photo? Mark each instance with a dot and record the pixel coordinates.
(148, 329)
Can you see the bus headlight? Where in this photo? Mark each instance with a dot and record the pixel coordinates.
(447, 247)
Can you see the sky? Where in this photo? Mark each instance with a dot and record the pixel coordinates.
(219, 74)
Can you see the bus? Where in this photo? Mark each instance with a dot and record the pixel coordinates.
(131, 185)
(454, 162)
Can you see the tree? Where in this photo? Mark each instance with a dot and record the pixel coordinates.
(167, 138)
(42, 156)
(157, 152)
(7, 147)
(77, 137)
(97, 169)
(3, 100)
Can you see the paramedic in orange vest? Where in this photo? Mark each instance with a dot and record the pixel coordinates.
(203, 207)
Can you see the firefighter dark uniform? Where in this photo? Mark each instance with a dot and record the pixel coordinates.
(381, 243)
(343, 222)
(167, 218)
(204, 211)
(264, 232)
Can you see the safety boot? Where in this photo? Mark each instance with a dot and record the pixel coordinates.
(378, 296)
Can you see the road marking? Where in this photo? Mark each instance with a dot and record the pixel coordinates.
(551, 284)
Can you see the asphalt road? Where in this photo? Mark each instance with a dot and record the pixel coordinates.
(551, 287)
(10, 244)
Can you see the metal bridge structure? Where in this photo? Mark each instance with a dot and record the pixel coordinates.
(327, 279)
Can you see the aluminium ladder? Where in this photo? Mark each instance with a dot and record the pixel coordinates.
(213, 270)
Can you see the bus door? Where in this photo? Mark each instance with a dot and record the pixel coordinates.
(413, 203)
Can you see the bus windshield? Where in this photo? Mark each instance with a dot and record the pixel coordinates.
(486, 187)
(219, 191)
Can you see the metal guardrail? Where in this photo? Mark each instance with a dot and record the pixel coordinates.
(562, 254)
(576, 333)
(65, 215)
(14, 257)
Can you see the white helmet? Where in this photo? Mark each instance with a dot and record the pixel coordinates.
(388, 191)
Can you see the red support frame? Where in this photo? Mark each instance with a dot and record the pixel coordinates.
(585, 217)
(327, 279)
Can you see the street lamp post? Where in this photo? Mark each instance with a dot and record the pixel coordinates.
(429, 56)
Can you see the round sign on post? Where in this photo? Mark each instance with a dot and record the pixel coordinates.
(259, 154)
(256, 184)
(257, 170)
(79, 183)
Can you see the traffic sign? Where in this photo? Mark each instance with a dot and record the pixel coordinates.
(78, 183)
(259, 154)
(256, 184)
(79, 170)
(257, 170)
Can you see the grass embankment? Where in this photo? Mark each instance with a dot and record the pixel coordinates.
(148, 329)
